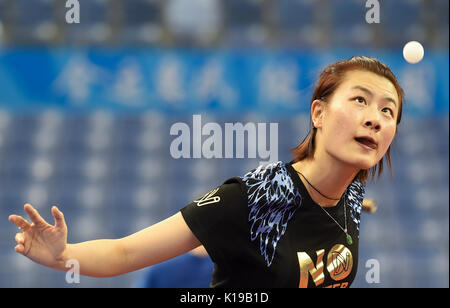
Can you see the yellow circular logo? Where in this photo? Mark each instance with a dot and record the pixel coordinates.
(339, 262)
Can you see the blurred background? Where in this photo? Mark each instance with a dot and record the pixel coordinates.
(86, 110)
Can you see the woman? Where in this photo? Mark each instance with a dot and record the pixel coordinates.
(290, 224)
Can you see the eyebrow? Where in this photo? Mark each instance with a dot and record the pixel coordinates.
(387, 98)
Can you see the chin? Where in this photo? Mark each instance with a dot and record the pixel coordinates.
(358, 161)
(364, 164)
(367, 166)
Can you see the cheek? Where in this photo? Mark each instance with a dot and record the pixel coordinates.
(388, 137)
(340, 125)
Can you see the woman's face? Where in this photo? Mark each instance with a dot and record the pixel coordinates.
(364, 105)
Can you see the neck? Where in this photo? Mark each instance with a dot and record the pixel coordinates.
(328, 176)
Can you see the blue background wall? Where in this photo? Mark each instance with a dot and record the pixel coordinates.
(89, 131)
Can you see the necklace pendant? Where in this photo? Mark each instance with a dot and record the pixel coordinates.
(349, 239)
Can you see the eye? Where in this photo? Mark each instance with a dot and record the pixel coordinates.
(390, 110)
(360, 99)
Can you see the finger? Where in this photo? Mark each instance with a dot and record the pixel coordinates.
(369, 205)
(34, 215)
(19, 238)
(59, 217)
(19, 248)
(374, 207)
(20, 222)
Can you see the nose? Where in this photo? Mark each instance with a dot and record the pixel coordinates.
(373, 121)
(372, 125)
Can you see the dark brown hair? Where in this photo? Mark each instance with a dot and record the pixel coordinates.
(329, 80)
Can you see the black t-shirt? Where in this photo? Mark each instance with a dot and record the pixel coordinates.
(264, 230)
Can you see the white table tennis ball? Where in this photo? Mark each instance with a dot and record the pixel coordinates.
(413, 52)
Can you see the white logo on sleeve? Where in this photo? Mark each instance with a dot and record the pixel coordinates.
(208, 198)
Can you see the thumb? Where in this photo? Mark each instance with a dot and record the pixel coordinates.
(59, 217)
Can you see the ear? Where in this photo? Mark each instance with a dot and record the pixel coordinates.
(317, 113)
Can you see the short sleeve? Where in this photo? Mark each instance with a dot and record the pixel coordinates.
(219, 220)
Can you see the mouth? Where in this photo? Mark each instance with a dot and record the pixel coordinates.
(367, 141)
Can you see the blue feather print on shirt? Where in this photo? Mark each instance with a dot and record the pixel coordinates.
(354, 196)
(273, 200)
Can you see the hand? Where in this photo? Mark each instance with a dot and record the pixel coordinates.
(369, 205)
(40, 241)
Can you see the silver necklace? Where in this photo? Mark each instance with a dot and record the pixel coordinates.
(348, 237)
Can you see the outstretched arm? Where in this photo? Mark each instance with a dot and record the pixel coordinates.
(47, 245)
(157, 243)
